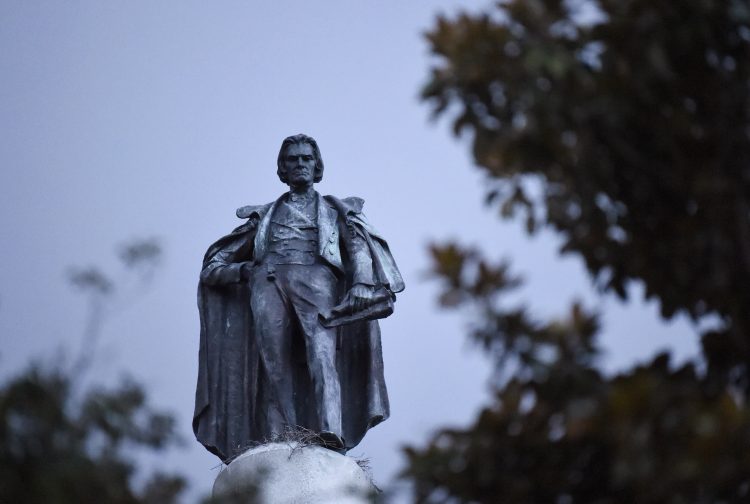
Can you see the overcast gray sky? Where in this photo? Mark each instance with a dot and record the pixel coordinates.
(121, 120)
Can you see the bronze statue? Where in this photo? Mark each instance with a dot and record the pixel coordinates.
(289, 303)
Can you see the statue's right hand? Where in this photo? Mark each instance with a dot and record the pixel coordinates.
(245, 270)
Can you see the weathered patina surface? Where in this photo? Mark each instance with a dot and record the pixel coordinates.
(289, 303)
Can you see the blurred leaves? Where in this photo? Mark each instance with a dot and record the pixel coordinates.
(560, 430)
(62, 441)
(140, 259)
(92, 280)
(649, 435)
(466, 277)
(55, 448)
(623, 126)
(140, 252)
(638, 124)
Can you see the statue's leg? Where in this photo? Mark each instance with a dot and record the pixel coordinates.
(321, 360)
(315, 288)
(273, 326)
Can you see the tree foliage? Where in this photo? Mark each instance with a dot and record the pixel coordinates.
(623, 126)
(635, 122)
(56, 448)
(62, 441)
(559, 430)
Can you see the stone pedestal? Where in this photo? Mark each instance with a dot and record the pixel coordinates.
(289, 473)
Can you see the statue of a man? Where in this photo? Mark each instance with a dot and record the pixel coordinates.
(288, 305)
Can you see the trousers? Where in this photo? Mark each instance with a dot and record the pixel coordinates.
(285, 301)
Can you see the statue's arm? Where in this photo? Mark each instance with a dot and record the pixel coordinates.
(225, 269)
(231, 263)
(359, 255)
(362, 242)
(354, 241)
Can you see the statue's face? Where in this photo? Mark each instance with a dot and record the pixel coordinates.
(299, 164)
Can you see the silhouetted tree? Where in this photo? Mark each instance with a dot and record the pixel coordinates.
(624, 126)
(56, 448)
(64, 442)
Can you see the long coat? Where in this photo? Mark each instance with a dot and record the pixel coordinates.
(232, 387)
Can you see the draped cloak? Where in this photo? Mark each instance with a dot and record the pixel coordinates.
(233, 389)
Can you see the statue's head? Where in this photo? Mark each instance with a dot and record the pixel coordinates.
(298, 149)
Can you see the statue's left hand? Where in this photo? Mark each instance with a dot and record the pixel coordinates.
(360, 295)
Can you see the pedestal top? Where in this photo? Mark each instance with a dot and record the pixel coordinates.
(291, 473)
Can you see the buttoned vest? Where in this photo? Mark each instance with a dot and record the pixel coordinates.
(293, 233)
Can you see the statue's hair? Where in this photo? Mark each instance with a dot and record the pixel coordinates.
(299, 139)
